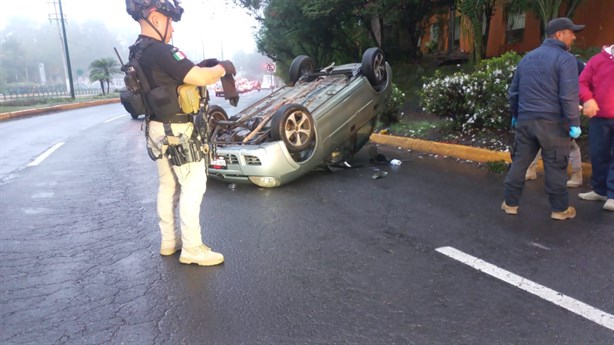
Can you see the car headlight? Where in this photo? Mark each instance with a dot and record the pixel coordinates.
(264, 181)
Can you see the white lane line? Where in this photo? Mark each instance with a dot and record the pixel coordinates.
(596, 315)
(115, 118)
(46, 154)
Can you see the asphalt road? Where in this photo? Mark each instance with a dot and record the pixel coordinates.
(332, 258)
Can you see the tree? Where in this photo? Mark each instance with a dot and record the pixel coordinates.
(338, 30)
(550, 9)
(478, 14)
(101, 71)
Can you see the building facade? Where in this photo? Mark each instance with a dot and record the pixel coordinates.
(519, 32)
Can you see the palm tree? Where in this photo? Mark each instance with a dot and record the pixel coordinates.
(101, 71)
(550, 9)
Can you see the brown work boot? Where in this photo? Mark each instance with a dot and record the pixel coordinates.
(575, 180)
(509, 209)
(531, 173)
(569, 213)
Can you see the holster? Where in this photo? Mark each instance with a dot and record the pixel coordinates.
(181, 150)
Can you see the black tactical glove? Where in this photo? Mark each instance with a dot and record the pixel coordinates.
(208, 63)
(230, 90)
(228, 67)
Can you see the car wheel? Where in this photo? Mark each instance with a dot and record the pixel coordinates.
(215, 113)
(293, 124)
(301, 65)
(374, 66)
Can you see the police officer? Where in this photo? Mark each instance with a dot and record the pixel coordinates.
(181, 186)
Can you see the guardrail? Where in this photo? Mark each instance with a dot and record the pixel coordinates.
(40, 92)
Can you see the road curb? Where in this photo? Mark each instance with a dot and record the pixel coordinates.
(60, 107)
(475, 154)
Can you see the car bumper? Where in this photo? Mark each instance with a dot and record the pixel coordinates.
(267, 165)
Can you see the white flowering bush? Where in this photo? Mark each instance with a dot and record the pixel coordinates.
(444, 96)
(392, 109)
(473, 101)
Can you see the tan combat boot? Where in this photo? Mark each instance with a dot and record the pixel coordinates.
(575, 180)
(513, 210)
(569, 213)
(201, 255)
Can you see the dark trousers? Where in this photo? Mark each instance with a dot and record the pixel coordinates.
(553, 138)
(601, 146)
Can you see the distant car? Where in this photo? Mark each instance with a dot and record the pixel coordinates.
(219, 90)
(242, 86)
(322, 117)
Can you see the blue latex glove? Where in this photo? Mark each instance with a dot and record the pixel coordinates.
(574, 132)
(513, 122)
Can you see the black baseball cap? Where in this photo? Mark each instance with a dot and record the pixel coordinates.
(562, 23)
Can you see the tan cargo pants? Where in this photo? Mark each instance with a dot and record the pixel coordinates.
(181, 189)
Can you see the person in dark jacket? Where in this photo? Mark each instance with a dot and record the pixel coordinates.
(544, 105)
(575, 156)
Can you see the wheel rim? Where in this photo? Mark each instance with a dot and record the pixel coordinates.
(297, 128)
(378, 67)
(305, 70)
(218, 117)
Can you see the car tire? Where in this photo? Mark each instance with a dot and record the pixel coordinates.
(374, 67)
(293, 124)
(301, 65)
(215, 113)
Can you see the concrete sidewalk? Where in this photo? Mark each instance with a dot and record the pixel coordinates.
(60, 107)
(443, 149)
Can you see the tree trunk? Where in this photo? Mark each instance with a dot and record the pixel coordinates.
(101, 85)
(548, 10)
(376, 29)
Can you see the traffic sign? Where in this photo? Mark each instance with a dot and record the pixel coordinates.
(270, 67)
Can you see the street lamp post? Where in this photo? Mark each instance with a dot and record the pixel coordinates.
(72, 89)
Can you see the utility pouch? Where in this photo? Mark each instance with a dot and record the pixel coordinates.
(182, 150)
(163, 102)
(132, 102)
(189, 98)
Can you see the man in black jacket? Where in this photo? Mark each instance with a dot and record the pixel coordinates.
(544, 103)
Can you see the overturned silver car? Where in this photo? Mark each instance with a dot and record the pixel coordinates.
(322, 117)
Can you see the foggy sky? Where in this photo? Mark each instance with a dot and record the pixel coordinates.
(209, 26)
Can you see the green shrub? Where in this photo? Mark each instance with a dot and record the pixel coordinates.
(477, 100)
(392, 109)
(499, 167)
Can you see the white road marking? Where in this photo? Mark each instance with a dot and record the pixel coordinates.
(535, 244)
(591, 313)
(115, 118)
(46, 154)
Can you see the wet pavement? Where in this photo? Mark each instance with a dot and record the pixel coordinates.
(332, 258)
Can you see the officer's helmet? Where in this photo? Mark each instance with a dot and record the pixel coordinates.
(139, 9)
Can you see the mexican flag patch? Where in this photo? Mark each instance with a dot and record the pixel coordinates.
(178, 54)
